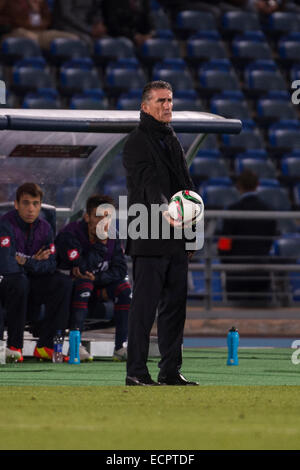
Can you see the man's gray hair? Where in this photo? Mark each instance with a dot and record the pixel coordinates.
(156, 85)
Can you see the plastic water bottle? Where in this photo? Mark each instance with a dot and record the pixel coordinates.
(74, 342)
(2, 352)
(58, 342)
(233, 344)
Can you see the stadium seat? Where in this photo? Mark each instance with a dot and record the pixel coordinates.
(289, 48)
(26, 78)
(198, 285)
(208, 153)
(230, 105)
(214, 78)
(109, 48)
(130, 100)
(120, 78)
(249, 138)
(89, 99)
(190, 21)
(287, 246)
(218, 193)
(250, 46)
(290, 167)
(253, 153)
(160, 19)
(285, 135)
(75, 79)
(63, 49)
(263, 168)
(201, 48)
(262, 76)
(206, 167)
(42, 99)
(157, 49)
(275, 195)
(275, 106)
(240, 21)
(209, 143)
(15, 48)
(179, 79)
(281, 22)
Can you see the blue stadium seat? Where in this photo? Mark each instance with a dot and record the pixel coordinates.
(205, 168)
(189, 21)
(281, 22)
(210, 143)
(249, 138)
(198, 285)
(290, 167)
(295, 72)
(121, 78)
(232, 105)
(27, 78)
(130, 100)
(285, 134)
(250, 46)
(260, 154)
(289, 48)
(275, 106)
(215, 78)
(89, 99)
(75, 80)
(109, 48)
(287, 246)
(163, 34)
(156, 49)
(63, 49)
(42, 99)
(262, 76)
(240, 21)
(203, 48)
(179, 79)
(15, 48)
(263, 168)
(275, 195)
(218, 193)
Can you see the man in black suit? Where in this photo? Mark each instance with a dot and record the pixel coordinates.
(155, 170)
(247, 241)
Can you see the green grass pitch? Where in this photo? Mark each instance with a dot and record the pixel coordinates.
(255, 405)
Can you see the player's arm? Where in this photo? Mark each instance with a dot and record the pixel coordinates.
(8, 262)
(117, 267)
(44, 261)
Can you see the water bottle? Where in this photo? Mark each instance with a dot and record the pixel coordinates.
(233, 344)
(2, 352)
(74, 342)
(58, 342)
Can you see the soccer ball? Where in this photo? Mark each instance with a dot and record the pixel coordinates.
(186, 207)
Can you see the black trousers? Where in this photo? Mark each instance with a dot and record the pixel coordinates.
(22, 298)
(14, 290)
(159, 286)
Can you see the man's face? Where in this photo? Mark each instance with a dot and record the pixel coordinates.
(159, 105)
(28, 207)
(92, 220)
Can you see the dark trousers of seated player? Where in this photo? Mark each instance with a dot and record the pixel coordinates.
(54, 291)
(86, 292)
(14, 290)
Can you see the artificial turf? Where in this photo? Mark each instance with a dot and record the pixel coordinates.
(255, 405)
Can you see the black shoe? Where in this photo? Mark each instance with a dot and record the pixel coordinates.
(175, 380)
(145, 380)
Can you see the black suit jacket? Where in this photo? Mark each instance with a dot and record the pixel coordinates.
(153, 176)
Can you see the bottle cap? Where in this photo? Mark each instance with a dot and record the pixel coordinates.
(233, 328)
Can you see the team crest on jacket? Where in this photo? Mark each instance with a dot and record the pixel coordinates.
(5, 242)
(73, 254)
(52, 249)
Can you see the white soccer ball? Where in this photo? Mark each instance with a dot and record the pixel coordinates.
(186, 207)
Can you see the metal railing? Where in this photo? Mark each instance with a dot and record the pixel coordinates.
(280, 269)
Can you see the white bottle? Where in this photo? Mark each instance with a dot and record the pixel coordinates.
(2, 352)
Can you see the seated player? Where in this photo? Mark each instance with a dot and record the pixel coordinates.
(98, 268)
(29, 280)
